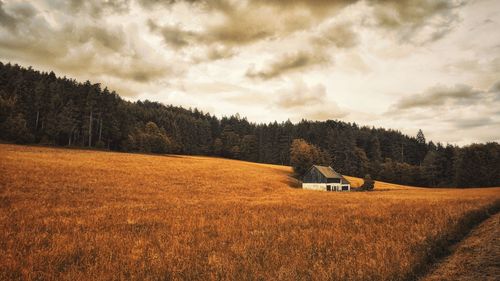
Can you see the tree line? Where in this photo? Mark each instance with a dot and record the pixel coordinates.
(41, 108)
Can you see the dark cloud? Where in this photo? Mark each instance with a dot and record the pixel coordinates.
(113, 39)
(219, 52)
(308, 102)
(301, 96)
(153, 3)
(214, 53)
(316, 7)
(23, 10)
(494, 65)
(58, 43)
(18, 13)
(288, 63)
(438, 96)
(462, 107)
(340, 35)
(258, 20)
(410, 16)
(460, 113)
(95, 8)
(79, 47)
(472, 122)
(495, 88)
(175, 36)
(238, 30)
(243, 23)
(235, 30)
(6, 19)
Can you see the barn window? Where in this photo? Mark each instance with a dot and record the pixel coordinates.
(345, 187)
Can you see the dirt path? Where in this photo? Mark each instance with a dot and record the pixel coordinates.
(477, 257)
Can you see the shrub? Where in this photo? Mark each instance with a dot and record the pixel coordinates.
(368, 183)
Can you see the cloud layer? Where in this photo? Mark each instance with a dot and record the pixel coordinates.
(461, 108)
(288, 62)
(441, 96)
(360, 60)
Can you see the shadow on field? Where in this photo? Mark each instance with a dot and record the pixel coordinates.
(291, 180)
(441, 248)
(358, 189)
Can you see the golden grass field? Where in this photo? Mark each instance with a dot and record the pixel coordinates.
(86, 215)
(480, 251)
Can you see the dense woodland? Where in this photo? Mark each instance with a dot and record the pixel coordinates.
(38, 107)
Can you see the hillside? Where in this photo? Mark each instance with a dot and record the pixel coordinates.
(70, 214)
(41, 108)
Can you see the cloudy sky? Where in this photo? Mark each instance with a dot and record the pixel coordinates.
(401, 64)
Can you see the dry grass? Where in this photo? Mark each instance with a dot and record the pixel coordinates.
(476, 258)
(84, 215)
(379, 185)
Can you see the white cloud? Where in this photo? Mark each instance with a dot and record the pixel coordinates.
(201, 53)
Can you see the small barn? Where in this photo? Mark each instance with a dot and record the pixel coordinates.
(325, 178)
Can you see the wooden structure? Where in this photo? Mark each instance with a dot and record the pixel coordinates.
(324, 178)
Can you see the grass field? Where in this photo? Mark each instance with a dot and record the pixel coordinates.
(87, 215)
(479, 251)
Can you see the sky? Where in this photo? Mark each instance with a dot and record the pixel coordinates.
(401, 64)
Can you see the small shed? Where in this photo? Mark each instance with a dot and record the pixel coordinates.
(325, 178)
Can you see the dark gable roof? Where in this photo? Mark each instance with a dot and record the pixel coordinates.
(329, 173)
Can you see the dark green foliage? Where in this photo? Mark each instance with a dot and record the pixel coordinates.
(217, 147)
(249, 148)
(13, 124)
(368, 183)
(429, 167)
(420, 149)
(373, 151)
(303, 155)
(479, 165)
(149, 139)
(38, 107)
(14, 129)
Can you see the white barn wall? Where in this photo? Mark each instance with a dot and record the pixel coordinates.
(322, 186)
(314, 186)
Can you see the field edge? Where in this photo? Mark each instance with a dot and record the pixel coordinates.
(445, 246)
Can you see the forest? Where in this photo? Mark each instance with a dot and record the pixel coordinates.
(41, 108)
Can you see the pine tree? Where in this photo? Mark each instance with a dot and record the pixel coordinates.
(14, 129)
(373, 151)
(249, 149)
(362, 163)
(429, 172)
(217, 147)
(229, 140)
(420, 137)
(67, 122)
(421, 147)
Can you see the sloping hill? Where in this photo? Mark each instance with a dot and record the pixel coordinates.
(86, 215)
(379, 185)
